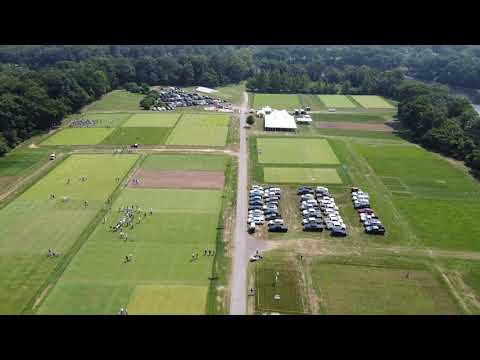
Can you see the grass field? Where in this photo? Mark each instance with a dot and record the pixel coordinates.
(337, 101)
(152, 119)
(356, 289)
(33, 222)
(185, 162)
(312, 101)
(301, 175)
(310, 130)
(105, 120)
(78, 136)
(140, 135)
(295, 151)
(117, 100)
(372, 102)
(200, 130)
(276, 101)
(231, 93)
(99, 282)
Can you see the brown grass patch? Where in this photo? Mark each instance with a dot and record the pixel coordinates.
(178, 179)
(353, 126)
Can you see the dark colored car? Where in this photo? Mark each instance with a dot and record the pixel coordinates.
(313, 227)
(277, 228)
(255, 207)
(338, 232)
(367, 211)
(376, 230)
(305, 190)
(272, 216)
(256, 202)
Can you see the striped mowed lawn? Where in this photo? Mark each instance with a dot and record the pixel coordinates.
(337, 101)
(372, 102)
(200, 130)
(152, 119)
(78, 136)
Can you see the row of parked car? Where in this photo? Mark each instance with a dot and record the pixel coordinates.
(263, 206)
(371, 222)
(319, 211)
(174, 97)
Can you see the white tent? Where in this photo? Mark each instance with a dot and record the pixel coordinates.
(206, 90)
(280, 120)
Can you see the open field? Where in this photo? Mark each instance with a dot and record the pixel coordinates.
(280, 150)
(117, 100)
(337, 101)
(315, 131)
(276, 101)
(152, 119)
(357, 289)
(231, 93)
(140, 135)
(372, 102)
(99, 282)
(105, 120)
(353, 126)
(299, 175)
(78, 136)
(200, 130)
(185, 162)
(311, 101)
(33, 223)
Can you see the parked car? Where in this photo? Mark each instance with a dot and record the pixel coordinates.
(251, 228)
(313, 227)
(278, 228)
(278, 221)
(338, 232)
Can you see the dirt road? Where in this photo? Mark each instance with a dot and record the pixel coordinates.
(238, 300)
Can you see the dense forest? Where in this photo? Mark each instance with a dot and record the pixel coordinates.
(39, 85)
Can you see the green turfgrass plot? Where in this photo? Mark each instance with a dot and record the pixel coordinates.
(295, 151)
(152, 119)
(337, 101)
(78, 136)
(33, 222)
(289, 287)
(301, 175)
(312, 101)
(353, 133)
(372, 102)
(276, 101)
(99, 282)
(106, 120)
(168, 300)
(117, 100)
(352, 289)
(200, 130)
(185, 162)
(140, 135)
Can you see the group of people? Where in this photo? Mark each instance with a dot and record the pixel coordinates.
(135, 181)
(83, 123)
(52, 253)
(123, 312)
(128, 258)
(208, 252)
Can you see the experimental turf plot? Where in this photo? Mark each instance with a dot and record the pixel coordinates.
(439, 201)
(161, 278)
(372, 102)
(103, 120)
(34, 222)
(337, 101)
(280, 150)
(117, 100)
(137, 135)
(78, 136)
(276, 101)
(20, 163)
(379, 290)
(200, 130)
(299, 175)
(152, 120)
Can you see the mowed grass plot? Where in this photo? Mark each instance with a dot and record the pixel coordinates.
(99, 282)
(372, 102)
(78, 136)
(200, 130)
(276, 101)
(33, 222)
(370, 290)
(301, 175)
(140, 135)
(337, 101)
(280, 150)
(185, 162)
(106, 120)
(353, 117)
(152, 119)
(117, 100)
